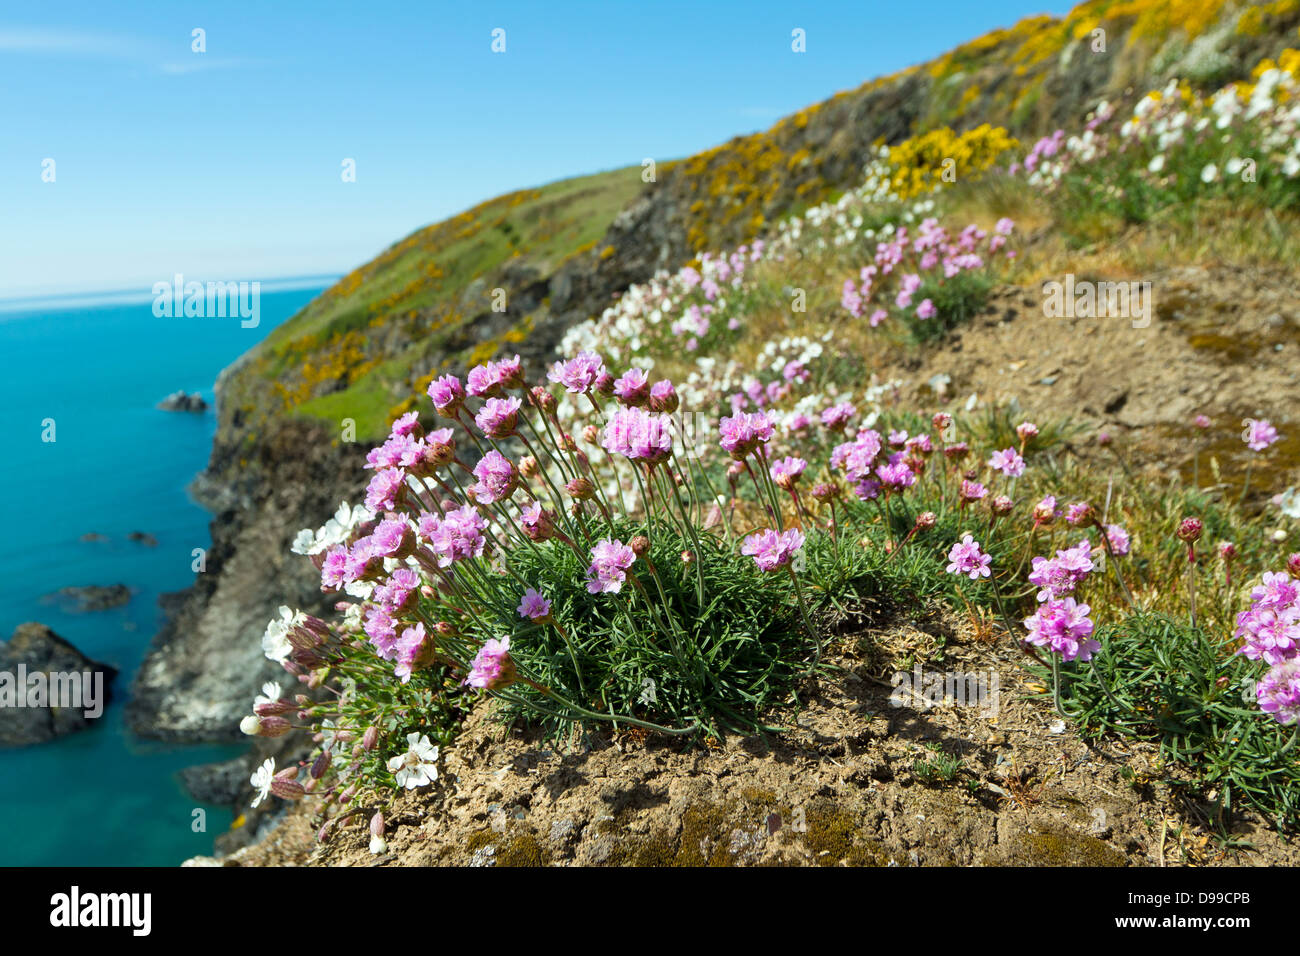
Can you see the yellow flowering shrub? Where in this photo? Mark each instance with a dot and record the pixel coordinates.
(917, 164)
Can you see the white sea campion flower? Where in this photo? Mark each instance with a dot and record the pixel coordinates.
(1289, 502)
(271, 692)
(418, 766)
(275, 640)
(261, 780)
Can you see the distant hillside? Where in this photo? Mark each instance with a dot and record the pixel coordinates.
(559, 252)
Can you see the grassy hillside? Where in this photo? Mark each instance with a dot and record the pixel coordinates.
(426, 304)
(348, 352)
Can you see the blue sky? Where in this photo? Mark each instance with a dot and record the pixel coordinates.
(226, 163)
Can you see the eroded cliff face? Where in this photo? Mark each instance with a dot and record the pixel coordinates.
(278, 466)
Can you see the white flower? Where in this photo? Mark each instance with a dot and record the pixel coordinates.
(1156, 164)
(261, 780)
(418, 766)
(1210, 173)
(1289, 502)
(275, 640)
(271, 692)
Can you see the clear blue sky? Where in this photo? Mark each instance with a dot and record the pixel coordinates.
(226, 164)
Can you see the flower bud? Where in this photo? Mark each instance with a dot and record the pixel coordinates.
(543, 399)
(568, 441)
(274, 708)
(581, 488)
(1080, 513)
(1227, 550)
(285, 787)
(377, 842)
(639, 545)
(824, 492)
(1293, 565)
(320, 765)
(1001, 505)
(688, 557)
(370, 740)
(273, 727)
(528, 466)
(663, 397)
(925, 520)
(591, 434)
(1189, 530)
(941, 421)
(250, 725)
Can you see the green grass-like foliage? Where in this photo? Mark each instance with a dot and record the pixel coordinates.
(1159, 678)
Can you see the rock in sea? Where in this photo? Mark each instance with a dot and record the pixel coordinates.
(92, 597)
(180, 402)
(35, 649)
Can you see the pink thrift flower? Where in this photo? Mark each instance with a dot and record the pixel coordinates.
(492, 668)
(579, 375)
(639, 435)
(632, 387)
(786, 471)
(534, 607)
(384, 489)
(1064, 627)
(610, 559)
(1278, 691)
(743, 433)
(1009, 462)
(1259, 434)
(447, 394)
(498, 417)
(771, 550)
(837, 416)
(496, 478)
(967, 558)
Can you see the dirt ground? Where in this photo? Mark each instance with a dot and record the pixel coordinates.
(859, 779)
(1222, 341)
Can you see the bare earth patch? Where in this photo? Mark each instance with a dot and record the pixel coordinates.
(849, 784)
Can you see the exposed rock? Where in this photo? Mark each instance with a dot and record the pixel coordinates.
(144, 538)
(206, 665)
(180, 402)
(34, 649)
(92, 597)
(94, 536)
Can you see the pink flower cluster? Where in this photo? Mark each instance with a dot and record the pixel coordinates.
(1271, 628)
(967, 558)
(932, 255)
(639, 435)
(1058, 576)
(610, 560)
(771, 550)
(1065, 628)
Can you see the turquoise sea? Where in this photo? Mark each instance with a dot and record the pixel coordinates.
(97, 367)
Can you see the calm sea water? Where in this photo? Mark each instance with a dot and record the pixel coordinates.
(117, 465)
